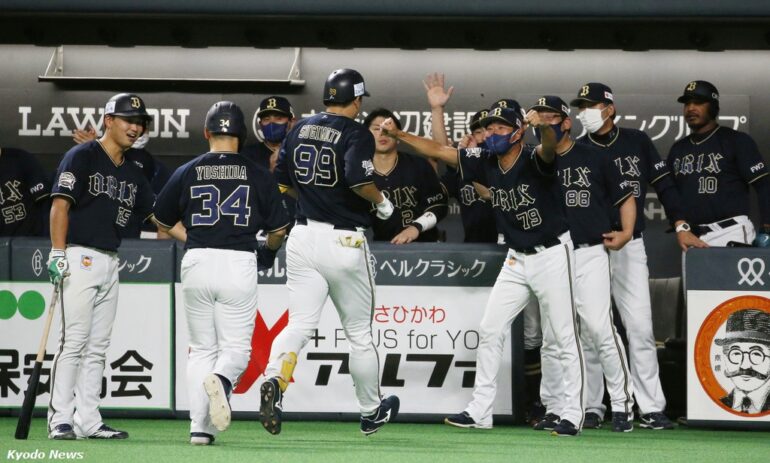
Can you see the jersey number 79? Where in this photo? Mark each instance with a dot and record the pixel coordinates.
(235, 205)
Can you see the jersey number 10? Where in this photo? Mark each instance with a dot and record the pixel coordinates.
(235, 205)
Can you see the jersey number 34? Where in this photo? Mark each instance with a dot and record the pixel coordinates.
(235, 205)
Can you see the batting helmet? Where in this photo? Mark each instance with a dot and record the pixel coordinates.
(226, 118)
(703, 91)
(343, 86)
(126, 105)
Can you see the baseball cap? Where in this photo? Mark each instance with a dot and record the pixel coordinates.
(275, 104)
(475, 124)
(512, 117)
(749, 325)
(699, 90)
(507, 103)
(594, 92)
(551, 103)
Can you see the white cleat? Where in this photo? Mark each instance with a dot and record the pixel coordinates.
(219, 406)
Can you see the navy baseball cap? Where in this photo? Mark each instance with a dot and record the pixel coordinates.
(275, 104)
(512, 117)
(593, 92)
(551, 103)
(748, 325)
(475, 124)
(507, 103)
(699, 90)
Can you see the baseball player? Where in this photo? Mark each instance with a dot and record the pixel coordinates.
(222, 199)
(591, 187)
(24, 188)
(326, 160)
(276, 118)
(713, 168)
(410, 183)
(523, 187)
(635, 157)
(95, 193)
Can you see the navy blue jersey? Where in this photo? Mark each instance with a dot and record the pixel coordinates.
(323, 157)
(637, 159)
(414, 188)
(223, 200)
(260, 153)
(104, 196)
(24, 186)
(712, 173)
(525, 198)
(476, 213)
(142, 159)
(591, 186)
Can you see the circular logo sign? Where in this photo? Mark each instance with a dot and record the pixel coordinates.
(732, 356)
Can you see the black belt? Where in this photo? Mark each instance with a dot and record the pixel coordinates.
(303, 221)
(535, 249)
(703, 229)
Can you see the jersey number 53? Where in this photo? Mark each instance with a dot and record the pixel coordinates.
(211, 209)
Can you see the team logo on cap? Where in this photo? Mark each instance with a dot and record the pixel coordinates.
(271, 103)
(67, 180)
(691, 86)
(584, 90)
(136, 102)
(332, 92)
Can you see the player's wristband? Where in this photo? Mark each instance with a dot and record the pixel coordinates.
(425, 221)
(384, 209)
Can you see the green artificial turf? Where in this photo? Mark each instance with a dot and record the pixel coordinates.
(160, 441)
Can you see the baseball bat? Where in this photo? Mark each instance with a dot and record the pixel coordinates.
(25, 417)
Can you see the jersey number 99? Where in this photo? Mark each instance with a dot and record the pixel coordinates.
(315, 167)
(235, 205)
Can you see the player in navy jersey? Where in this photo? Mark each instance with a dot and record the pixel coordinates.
(326, 161)
(591, 189)
(410, 183)
(276, 118)
(222, 199)
(24, 190)
(95, 194)
(713, 168)
(524, 192)
(636, 158)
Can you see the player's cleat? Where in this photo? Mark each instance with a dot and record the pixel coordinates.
(201, 438)
(106, 432)
(536, 413)
(464, 420)
(62, 432)
(219, 405)
(270, 408)
(386, 412)
(621, 423)
(565, 428)
(592, 421)
(548, 423)
(655, 420)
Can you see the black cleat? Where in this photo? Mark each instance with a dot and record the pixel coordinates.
(270, 408)
(387, 411)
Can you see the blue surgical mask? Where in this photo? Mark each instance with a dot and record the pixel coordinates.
(500, 144)
(274, 132)
(556, 128)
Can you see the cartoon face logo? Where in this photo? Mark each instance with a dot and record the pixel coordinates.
(136, 102)
(732, 356)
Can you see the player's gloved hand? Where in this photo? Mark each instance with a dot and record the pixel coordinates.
(763, 238)
(265, 257)
(58, 267)
(384, 209)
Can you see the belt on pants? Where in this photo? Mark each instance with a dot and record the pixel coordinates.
(303, 221)
(541, 247)
(589, 244)
(706, 228)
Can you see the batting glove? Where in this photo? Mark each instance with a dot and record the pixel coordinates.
(384, 209)
(58, 267)
(265, 257)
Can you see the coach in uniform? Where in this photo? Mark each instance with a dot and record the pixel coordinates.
(222, 199)
(326, 160)
(713, 168)
(95, 194)
(24, 188)
(525, 196)
(275, 117)
(410, 183)
(631, 151)
(591, 188)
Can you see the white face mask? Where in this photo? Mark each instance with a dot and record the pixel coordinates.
(591, 118)
(141, 142)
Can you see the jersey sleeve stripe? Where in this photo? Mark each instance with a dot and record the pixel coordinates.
(279, 228)
(658, 177)
(620, 201)
(162, 223)
(362, 184)
(41, 197)
(53, 195)
(757, 178)
(434, 206)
